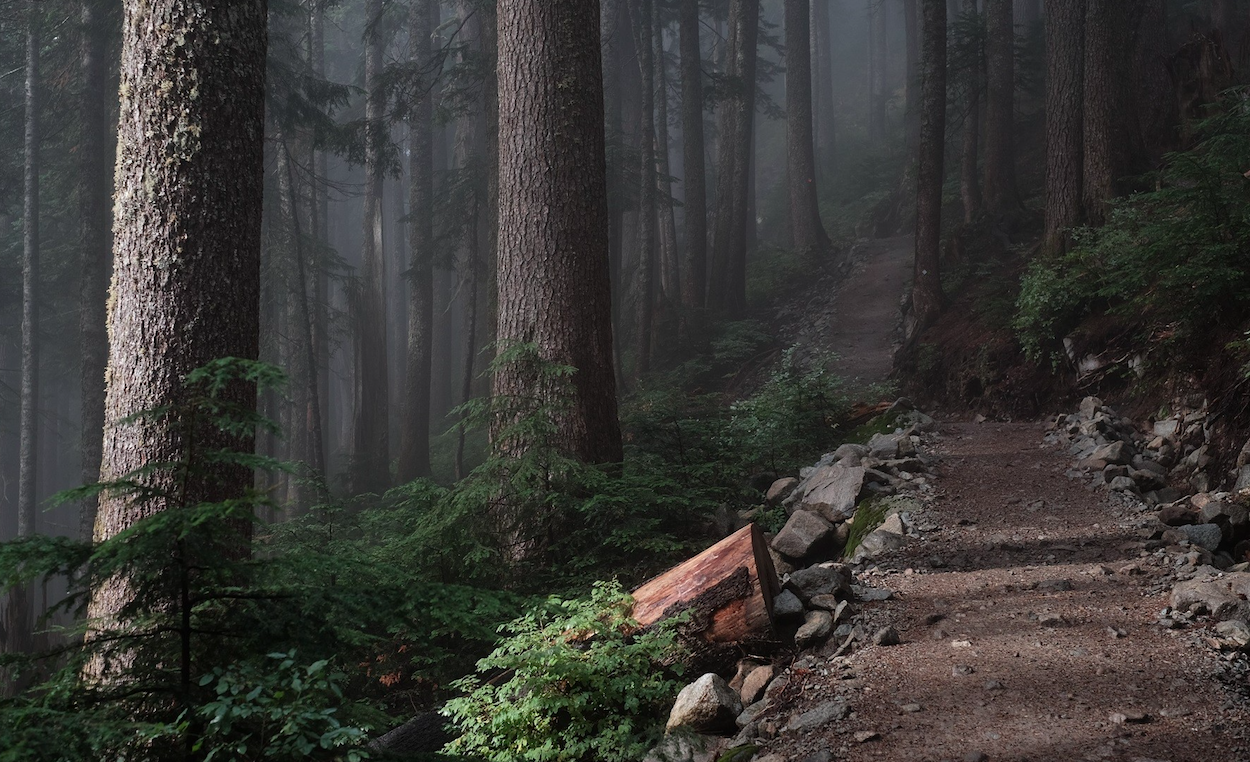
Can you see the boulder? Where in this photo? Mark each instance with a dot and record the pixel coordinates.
(855, 452)
(828, 712)
(1206, 536)
(1243, 480)
(1178, 514)
(804, 535)
(1090, 407)
(1222, 597)
(822, 579)
(1219, 512)
(1116, 453)
(876, 543)
(684, 747)
(832, 490)
(787, 605)
(1166, 428)
(756, 681)
(708, 705)
(884, 446)
(780, 490)
(815, 629)
(1235, 631)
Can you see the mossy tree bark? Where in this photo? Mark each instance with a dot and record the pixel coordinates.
(187, 221)
(553, 219)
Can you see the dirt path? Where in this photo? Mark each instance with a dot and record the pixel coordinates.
(856, 316)
(1028, 623)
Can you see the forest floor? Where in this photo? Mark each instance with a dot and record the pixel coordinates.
(1029, 614)
(853, 312)
(1029, 624)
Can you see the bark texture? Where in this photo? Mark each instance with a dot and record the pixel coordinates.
(825, 119)
(805, 224)
(644, 285)
(1000, 161)
(969, 166)
(95, 241)
(28, 424)
(372, 436)
(670, 268)
(1108, 136)
(553, 220)
(926, 295)
(694, 265)
(727, 280)
(414, 454)
(1065, 62)
(187, 221)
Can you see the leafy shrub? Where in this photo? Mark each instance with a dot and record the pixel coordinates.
(573, 680)
(1173, 261)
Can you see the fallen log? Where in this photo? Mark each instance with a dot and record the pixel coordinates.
(728, 590)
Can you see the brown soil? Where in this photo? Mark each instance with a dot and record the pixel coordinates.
(989, 673)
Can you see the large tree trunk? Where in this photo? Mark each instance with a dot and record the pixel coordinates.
(372, 408)
(641, 11)
(553, 232)
(96, 241)
(825, 119)
(1065, 62)
(911, 118)
(187, 220)
(805, 224)
(414, 454)
(1000, 159)
(726, 289)
(694, 270)
(1108, 110)
(969, 168)
(926, 295)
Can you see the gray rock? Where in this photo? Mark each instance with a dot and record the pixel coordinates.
(876, 543)
(849, 454)
(1243, 479)
(1235, 631)
(871, 594)
(753, 711)
(884, 446)
(1221, 597)
(1123, 484)
(821, 579)
(815, 629)
(1206, 536)
(1090, 407)
(753, 687)
(886, 636)
(824, 755)
(1116, 453)
(780, 490)
(1054, 585)
(1166, 428)
(830, 711)
(1217, 511)
(1145, 479)
(831, 491)
(683, 747)
(708, 705)
(803, 535)
(787, 605)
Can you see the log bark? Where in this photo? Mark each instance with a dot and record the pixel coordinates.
(728, 588)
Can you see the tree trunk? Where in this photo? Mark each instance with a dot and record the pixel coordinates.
(969, 169)
(694, 270)
(1000, 173)
(879, 58)
(826, 120)
(1108, 47)
(642, 13)
(805, 224)
(553, 232)
(926, 295)
(911, 118)
(96, 241)
(1065, 57)
(1030, 13)
(670, 267)
(320, 205)
(414, 454)
(734, 161)
(187, 220)
(372, 408)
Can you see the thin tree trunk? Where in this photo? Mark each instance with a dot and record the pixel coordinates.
(879, 59)
(414, 455)
(320, 206)
(1000, 174)
(554, 290)
(926, 295)
(372, 406)
(1065, 57)
(20, 600)
(911, 117)
(694, 271)
(642, 14)
(826, 120)
(96, 242)
(187, 221)
(805, 224)
(670, 268)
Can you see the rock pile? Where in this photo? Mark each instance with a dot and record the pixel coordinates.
(817, 606)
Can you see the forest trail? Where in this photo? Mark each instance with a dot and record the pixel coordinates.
(1028, 617)
(854, 312)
